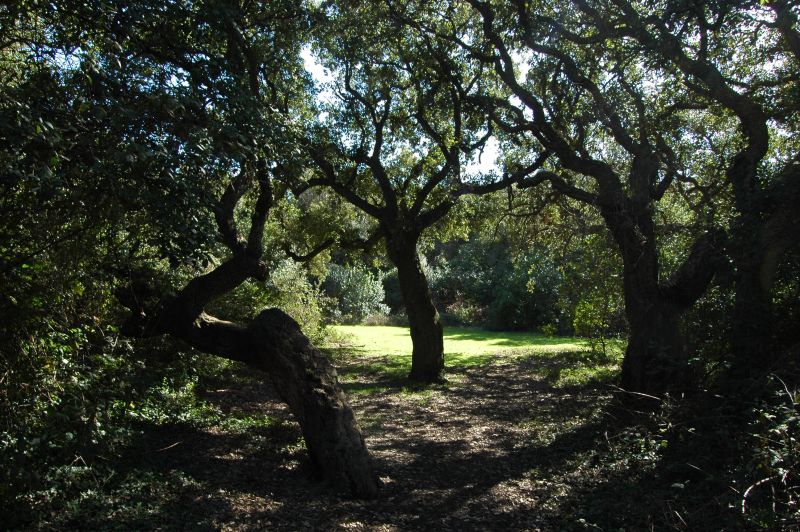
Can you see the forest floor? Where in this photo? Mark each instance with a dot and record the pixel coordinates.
(518, 438)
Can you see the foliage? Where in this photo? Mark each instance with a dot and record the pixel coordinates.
(357, 292)
(483, 283)
(772, 500)
(391, 289)
(73, 395)
(289, 287)
(122, 124)
(598, 311)
(527, 297)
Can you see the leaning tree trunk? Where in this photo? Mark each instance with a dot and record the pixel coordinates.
(301, 374)
(427, 357)
(306, 380)
(271, 342)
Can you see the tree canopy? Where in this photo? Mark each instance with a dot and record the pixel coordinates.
(624, 168)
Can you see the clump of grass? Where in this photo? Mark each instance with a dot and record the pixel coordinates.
(586, 376)
(243, 423)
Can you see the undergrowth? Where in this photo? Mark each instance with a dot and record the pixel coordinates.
(73, 456)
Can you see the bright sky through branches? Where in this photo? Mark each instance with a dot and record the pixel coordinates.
(481, 164)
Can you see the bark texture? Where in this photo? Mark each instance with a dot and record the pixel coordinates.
(302, 376)
(308, 383)
(427, 357)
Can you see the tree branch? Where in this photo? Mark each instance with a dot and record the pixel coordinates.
(255, 240)
(560, 185)
(330, 180)
(693, 276)
(226, 207)
(307, 257)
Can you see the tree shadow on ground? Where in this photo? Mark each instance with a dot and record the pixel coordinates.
(497, 447)
(508, 339)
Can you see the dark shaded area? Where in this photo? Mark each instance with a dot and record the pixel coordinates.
(498, 447)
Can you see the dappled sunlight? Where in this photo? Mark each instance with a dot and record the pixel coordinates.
(503, 443)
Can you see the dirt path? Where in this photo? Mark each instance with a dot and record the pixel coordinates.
(499, 447)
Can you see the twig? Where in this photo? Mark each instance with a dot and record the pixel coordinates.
(681, 518)
(168, 447)
(748, 490)
(635, 393)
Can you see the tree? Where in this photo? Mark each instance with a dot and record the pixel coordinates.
(177, 114)
(614, 127)
(701, 44)
(394, 140)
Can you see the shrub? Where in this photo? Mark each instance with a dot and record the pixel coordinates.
(289, 289)
(357, 291)
(464, 312)
(772, 498)
(527, 297)
(485, 284)
(592, 320)
(391, 289)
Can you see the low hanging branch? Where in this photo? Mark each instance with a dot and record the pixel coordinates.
(271, 342)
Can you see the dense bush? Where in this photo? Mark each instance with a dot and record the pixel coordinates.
(528, 297)
(73, 390)
(357, 292)
(592, 291)
(393, 298)
(772, 497)
(485, 284)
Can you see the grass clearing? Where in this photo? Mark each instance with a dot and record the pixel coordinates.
(378, 358)
(462, 345)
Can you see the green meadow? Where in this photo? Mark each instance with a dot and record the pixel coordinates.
(375, 358)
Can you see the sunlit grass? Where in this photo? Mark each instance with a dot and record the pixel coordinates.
(462, 346)
(384, 356)
(594, 374)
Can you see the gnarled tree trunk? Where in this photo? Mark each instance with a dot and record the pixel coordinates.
(301, 374)
(427, 357)
(306, 380)
(271, 342)
(656, 358)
